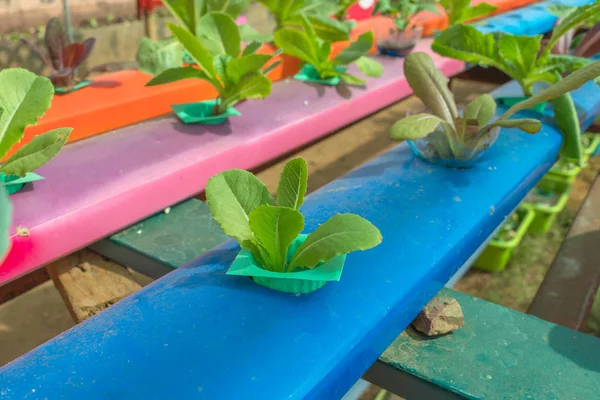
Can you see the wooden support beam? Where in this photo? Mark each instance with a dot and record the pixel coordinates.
(90, 283)
(567, 293)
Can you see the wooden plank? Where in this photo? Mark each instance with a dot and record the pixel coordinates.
(567, 293)
(89, 283)
(499, 354)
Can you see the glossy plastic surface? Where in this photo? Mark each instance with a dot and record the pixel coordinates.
(533, 19)
(199, 331)
(99, 186)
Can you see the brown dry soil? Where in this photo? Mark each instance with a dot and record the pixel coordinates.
(39, 314)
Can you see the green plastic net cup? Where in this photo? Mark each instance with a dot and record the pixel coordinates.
(511, 101)
(202, 113)
(299, 281)
(308, 73)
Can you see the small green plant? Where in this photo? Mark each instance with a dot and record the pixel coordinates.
(289, 13)
(235, 74)
(189, 12)
(66, 57)
(463, 136)
(246, 211)
(524, 59)
(459, 11)
(402, 11)
(25, 97)
(585, 44)
(520, 57)
(308, 47)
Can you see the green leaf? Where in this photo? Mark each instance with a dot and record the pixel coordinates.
(219, 34)
(252, 48)
(177, 74)
(570, 83)
(295, 43)
(560, 10)
(36, 153)
(220, 64)
(351, 79)
(529, 125)
(231, 196)
(238, 67)
(430, 85)
(185, 11)
(571, 21)
(156, 57)
(254, 85)
(355, 50)
(567, 121)
(482, 109)
(249, 34)
(233, 8)
(369, 67)
(24, 97)
(563, 63)
(275, 228)
(292, 184)
(195, 49)
(341, 234)
(271, 67)
(479, 10)
(414, 127)
(466, 43)
(329, 29)
(520, 51)
(5, 223)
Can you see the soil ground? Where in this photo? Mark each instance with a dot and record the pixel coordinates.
(39, 314)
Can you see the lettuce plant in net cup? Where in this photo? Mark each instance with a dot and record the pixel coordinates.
(274, 251)
(399, 40)
(458, 140)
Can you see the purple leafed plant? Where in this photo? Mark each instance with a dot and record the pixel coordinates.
(65, 58)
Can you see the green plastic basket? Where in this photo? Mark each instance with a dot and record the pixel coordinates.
(496, 255)
(559, 180)
(590, 149)
(545, 215)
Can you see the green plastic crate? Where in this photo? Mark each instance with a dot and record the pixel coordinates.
(496, 255)
(589, 150)
(546, 215)
(559, 180)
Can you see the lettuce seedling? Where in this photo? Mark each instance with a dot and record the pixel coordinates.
(289, 13)
(189, 12)
(25, 97)
(308, 47)
(464, 135)
(246, 211)
(520, 57)
(585, 44)
(156, 57)
(403, 11)
(523, 59)
(459, 11)
(235, 74)
(65, 58)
